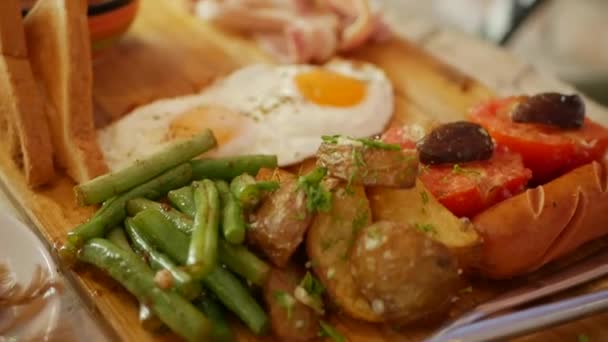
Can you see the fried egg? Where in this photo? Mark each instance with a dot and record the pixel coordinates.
(261, 109)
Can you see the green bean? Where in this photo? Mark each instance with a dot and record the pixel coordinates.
(236, 257)
(248, 191)
(202, 254)
(113, 184)
(114, 212)
(118, 237)
(221, 329)
(132, 273)
(180, 280)
(244, 263)
(147, 319)
(228, 168)
(235, 296)
(228, 289)
(183, 199)
(181, 221)
(233, 222)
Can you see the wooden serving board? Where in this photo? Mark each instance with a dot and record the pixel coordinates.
(169, 53)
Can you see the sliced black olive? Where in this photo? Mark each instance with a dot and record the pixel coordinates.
(564, 111)
(456, 142)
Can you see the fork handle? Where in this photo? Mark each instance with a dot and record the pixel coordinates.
(526, 321)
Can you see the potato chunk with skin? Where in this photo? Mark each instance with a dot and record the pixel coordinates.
(329, 243)
(417, 208)
(291, 320)
(360, 164)
(404, 275)
(277, 228)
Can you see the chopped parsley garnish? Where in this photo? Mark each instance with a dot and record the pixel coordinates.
(425, 227)
(360, 221)
(468, 289)
(331, 139)
(582, 338)
(327, 330)
(425, 197)
(310, 293)
(378, 144)
(317, 197)
(462, 171)
(286, 301)
(367, 142)
(357, 157)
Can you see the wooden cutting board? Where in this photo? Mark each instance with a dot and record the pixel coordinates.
(169, 53)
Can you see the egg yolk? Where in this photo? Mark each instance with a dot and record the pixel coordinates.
(329, 88)
(224, 123)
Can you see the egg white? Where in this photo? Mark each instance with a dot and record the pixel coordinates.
(269, 115)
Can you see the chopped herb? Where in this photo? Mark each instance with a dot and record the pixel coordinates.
(462, 171)
(310, 293)
(583, 338)
(360, 221)
(425, 228)
(286, 301)
(301, 216)
(349, 184)
(327, 330)
(357, 157)
(425, 197)
(331, 139)
(327, 244)
(367, 142)
(312, 285)
(378, 144)
(374, 233)
(317, 197)
(468, 289)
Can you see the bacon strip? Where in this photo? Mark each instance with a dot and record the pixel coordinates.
(299, 31)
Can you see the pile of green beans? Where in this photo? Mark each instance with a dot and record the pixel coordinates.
(179, 259)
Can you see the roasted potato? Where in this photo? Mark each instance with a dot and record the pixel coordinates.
(277, 228)
(360, 164)
(328, 244)
(417, 208)
(290, 319)
(404, 275)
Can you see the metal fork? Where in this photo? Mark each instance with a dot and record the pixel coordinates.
(473, 327)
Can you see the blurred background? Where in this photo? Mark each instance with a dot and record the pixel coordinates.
(568, 38)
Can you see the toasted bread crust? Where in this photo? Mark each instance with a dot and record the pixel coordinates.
(527, 231)
(24, 131)
(59, 48)
(26, 125)
(12, 38)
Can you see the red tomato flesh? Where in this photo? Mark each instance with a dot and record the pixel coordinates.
(469, 188)
(548, 151)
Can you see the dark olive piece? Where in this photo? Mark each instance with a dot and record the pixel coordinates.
(564, 111)
(456, 142)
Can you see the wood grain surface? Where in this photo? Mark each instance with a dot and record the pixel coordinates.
(168, 53)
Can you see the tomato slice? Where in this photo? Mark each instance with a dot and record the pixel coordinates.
(548, 151)
(469, 188)
(405, 136)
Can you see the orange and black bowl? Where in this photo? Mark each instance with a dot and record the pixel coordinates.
(108, 19)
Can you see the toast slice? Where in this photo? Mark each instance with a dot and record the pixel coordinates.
(12, 38)
(24, 129)
(59, 48)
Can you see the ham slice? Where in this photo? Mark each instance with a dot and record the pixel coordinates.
(299, 31)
